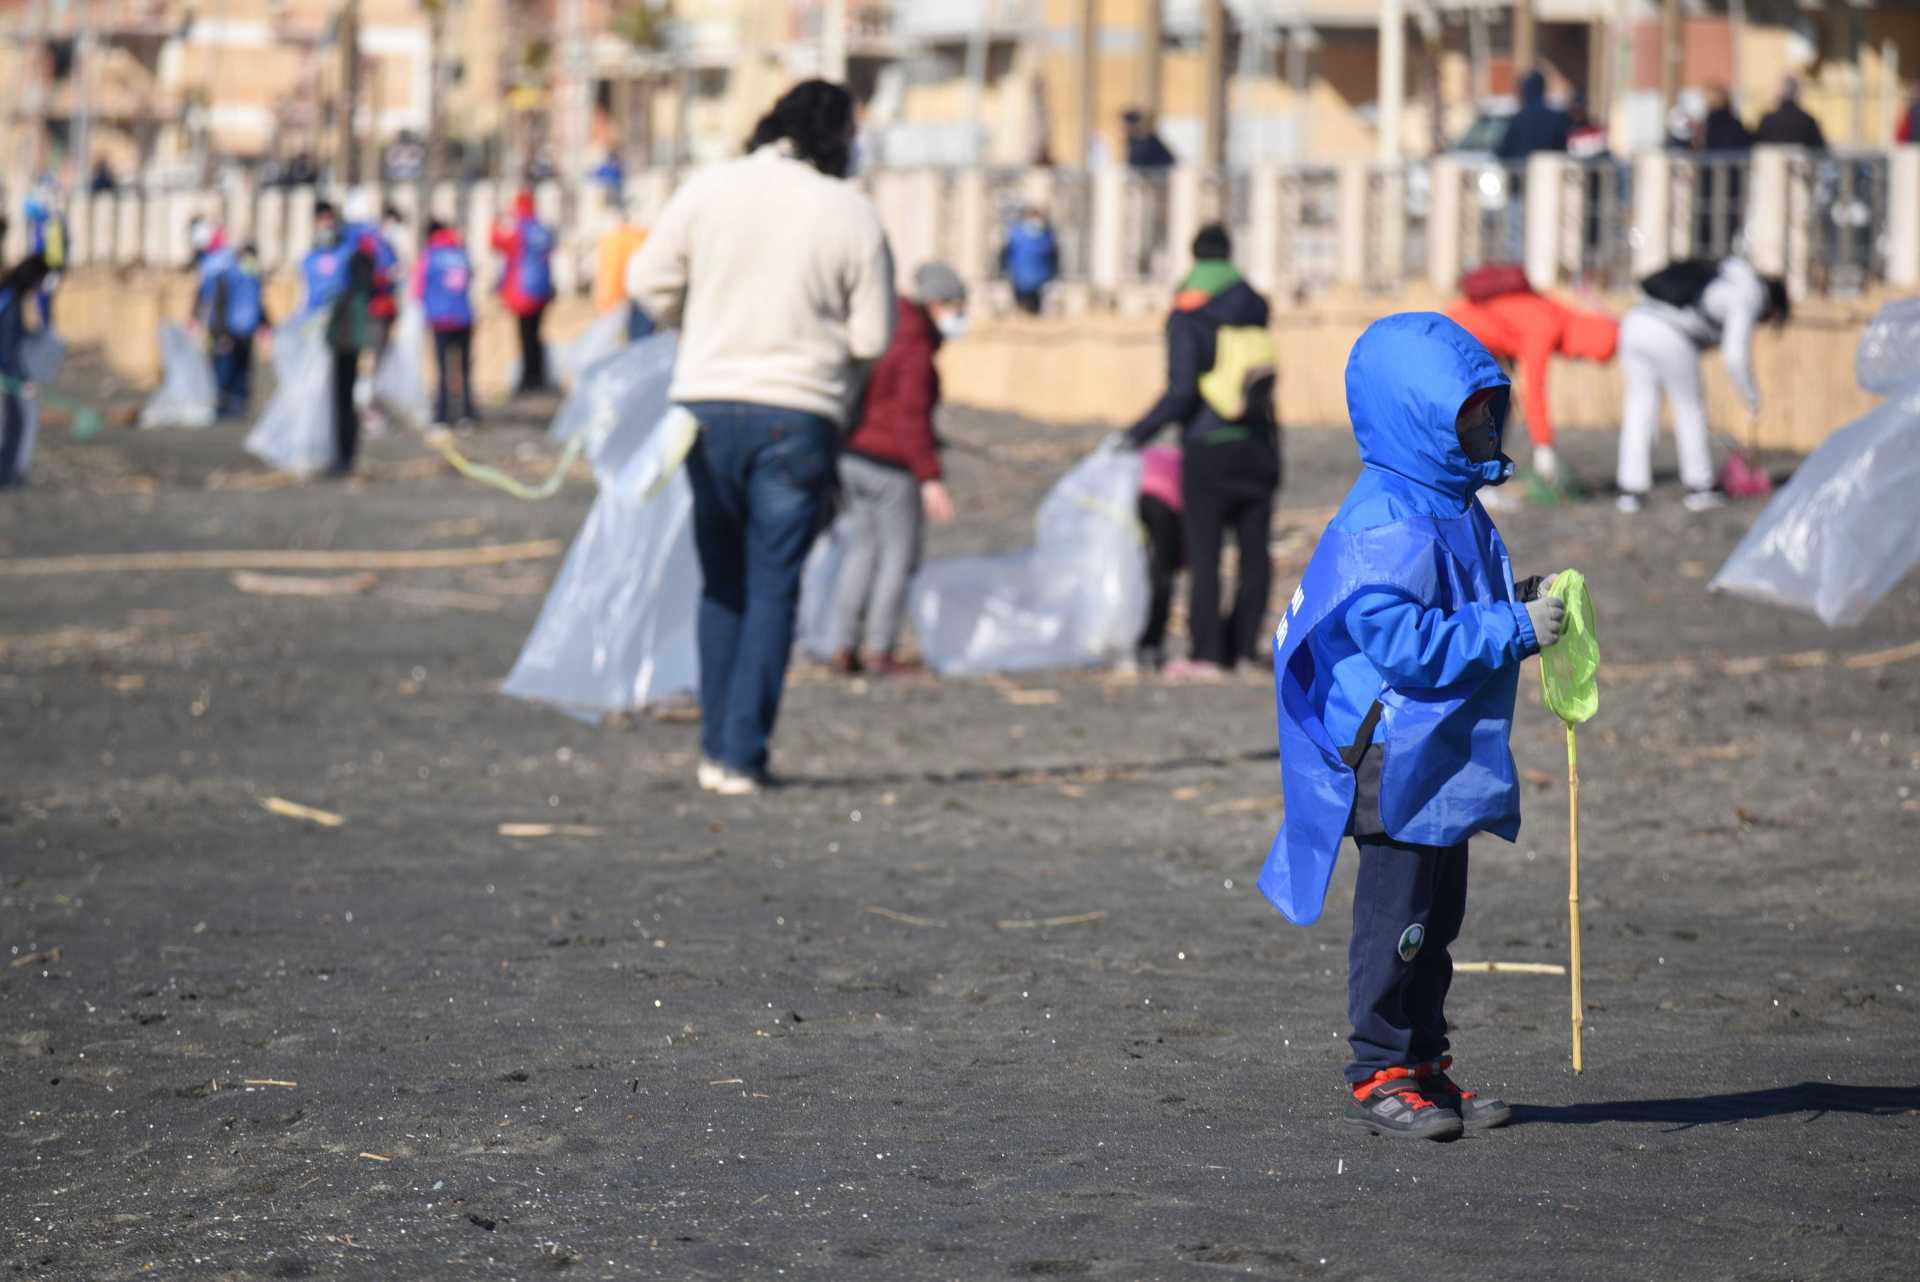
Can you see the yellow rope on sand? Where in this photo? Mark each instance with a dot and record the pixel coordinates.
(488, 475)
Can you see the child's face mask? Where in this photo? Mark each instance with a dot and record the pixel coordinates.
(1478, 429)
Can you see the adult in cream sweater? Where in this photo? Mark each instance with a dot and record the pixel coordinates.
(777, 274)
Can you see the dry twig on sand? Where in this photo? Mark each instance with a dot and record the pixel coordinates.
(905, 919)
(294, 810)
(283, 559)
(1071, 919)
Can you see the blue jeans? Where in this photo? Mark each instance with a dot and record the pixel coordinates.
(233, 374)
(760, 476)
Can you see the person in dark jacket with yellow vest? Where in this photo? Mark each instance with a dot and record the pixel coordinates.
(1220, 376)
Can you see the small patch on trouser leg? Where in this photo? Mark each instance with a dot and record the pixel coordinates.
(1410, 940)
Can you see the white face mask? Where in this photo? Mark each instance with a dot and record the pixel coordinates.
(951, 325)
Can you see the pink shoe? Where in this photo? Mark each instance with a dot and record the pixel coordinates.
(1193, 672)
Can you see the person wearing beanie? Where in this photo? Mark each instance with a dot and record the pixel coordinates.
(890, 479)
(1220, 376)
(526, 287)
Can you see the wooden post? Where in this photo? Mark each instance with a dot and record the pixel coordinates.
(1573, 891)
(1669, 58)
(1153, 34)
(1086, 56)
(1524, 44)
(1393, 77)
(348, 173)
(1214, 140)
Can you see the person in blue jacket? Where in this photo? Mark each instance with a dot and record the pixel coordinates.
(1030, 258)
(47, 237)
(20, 284)
(232, 309)
(1395, 670)
(442, 282)
(323, 272)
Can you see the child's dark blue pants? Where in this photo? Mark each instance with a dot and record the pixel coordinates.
(1408, 902)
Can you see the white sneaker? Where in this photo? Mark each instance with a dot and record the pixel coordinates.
(1628, 503)
(733, 783)
(1703, 500)
(709, 774)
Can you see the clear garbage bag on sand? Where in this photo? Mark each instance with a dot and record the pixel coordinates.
(1077, 597)
(569, 362)
(819, 578)
(187, 396)
(625, 389)
(29, 436)
(617, 630)
(1846, 528)
(296, 432)
(1886, 358)
(42, 353)
(400, 379)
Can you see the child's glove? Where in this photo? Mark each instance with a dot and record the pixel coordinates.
(1532, 587)
(1547, 614)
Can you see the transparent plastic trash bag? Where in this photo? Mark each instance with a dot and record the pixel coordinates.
(187, 396)
(568, 362)
(1886, 359)
(1846, 528)
(296, 432)
(42, 353)
(625, 390)
(819, 579)
(1077, 597)
(400, 379)
(29, 435)
(617, 630)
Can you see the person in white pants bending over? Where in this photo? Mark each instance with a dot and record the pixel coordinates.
(1690, 307)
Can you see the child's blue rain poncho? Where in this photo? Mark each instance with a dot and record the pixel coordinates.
(1409, 601)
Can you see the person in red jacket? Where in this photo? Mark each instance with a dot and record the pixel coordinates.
(890, 476)
(527, 285)
(1528, 330)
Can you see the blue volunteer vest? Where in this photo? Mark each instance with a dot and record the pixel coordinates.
(243, 301)
(1446, 769)
(444, 291)
(536, 260)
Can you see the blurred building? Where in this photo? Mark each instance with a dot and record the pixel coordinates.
(181, 88)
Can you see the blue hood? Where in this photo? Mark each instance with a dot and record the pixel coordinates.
(1407, 378)
(1533, 89)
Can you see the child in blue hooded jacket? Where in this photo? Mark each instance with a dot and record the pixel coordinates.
(1396, 666)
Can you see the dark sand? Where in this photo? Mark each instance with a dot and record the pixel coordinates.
(792, 1036)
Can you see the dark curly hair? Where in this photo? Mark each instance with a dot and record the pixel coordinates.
(816, 117)
(1779, 305)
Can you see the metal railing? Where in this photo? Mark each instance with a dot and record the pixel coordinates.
(1828, 213)
(1398, 203)
(1310, 214)
(1493, 213)
(1849, 220)
(1602, 195)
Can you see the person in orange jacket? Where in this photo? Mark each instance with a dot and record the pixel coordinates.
(1528, 329)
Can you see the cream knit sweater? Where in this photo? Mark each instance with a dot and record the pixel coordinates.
(779, 280)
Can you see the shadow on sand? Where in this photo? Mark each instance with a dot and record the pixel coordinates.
(1814, 1098)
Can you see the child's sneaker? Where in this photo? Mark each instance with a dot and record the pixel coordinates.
(1477, 1112)
(1392, 1103)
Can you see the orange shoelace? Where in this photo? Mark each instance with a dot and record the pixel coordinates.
(1396, 1081)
